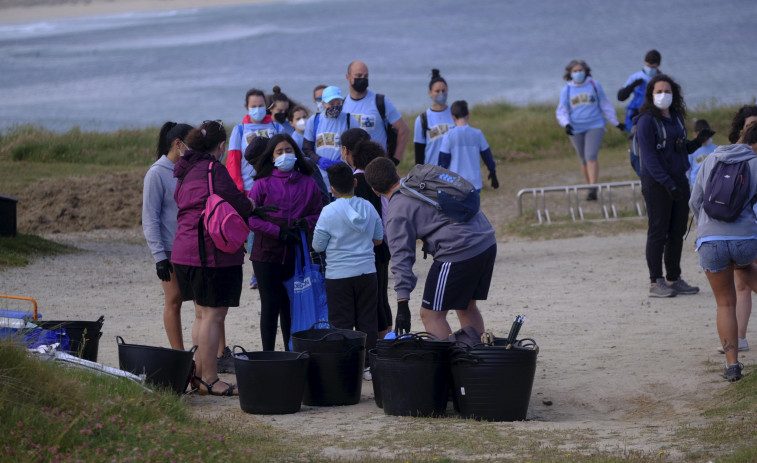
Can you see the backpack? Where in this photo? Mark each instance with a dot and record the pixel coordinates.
(443, 189)
(661, 136)
(726, 193)
(391, 132)
(226, 227)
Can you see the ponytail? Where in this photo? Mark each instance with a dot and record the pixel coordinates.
(206, 137)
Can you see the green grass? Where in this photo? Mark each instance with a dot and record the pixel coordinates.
(19, 250)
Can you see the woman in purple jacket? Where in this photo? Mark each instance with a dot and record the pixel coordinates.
(213, 279)
(283, 179)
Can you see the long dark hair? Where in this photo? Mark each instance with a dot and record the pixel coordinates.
(264, 164)
(737, 124)
(206, 137)
(678, 106)
(168, 133)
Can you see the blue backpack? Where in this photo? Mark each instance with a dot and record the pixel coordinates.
(726, 193)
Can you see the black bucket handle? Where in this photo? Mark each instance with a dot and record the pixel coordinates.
(413, 337)
(234, 350)
(304, 352)
(344, 337)
(421, 356)
(523, 345)
(120, 340)
(101, 320)
(193, 349)
(461, 355)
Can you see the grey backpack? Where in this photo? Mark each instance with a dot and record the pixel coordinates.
(447, 191)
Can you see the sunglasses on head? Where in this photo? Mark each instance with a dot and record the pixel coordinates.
(217, 121)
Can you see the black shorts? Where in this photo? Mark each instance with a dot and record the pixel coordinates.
(452, 285)
(210, 286)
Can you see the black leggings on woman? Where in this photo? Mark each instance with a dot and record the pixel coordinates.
(667, 226)
(274, 301)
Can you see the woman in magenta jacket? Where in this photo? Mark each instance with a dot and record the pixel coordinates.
(212, 280)
(283, 179)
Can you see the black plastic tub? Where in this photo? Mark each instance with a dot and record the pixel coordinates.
(169, 368)
(84, 336)
(324, 340)
(416, 384)
(375, 381)
(270, 383)
(335, 378)
(417, 343)
(494, 383)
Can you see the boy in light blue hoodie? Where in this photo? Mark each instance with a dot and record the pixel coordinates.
(347, 230)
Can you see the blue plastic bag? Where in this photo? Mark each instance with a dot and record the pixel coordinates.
(307, 292)
(40, 337)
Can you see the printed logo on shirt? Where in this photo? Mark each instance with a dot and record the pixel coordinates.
(700, 159)
(328, 139)
(583, 98)
(249, 136)
(366, 121)
(437, 131)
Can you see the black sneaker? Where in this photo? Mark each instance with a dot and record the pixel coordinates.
(592, 195)
(733, 372)
(225, 362)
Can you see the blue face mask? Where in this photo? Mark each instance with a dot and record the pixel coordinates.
(285, 162)
(578, 76)
(649, 71)
(440, 99)
(256, 114)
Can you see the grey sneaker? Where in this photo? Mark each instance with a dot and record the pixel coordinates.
(733, 372)
(225, 362)
(743, 346)
(367, 374)
(661, 289)
(681, 287)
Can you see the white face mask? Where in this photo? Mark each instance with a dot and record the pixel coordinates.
(663, 100)
(301, 125)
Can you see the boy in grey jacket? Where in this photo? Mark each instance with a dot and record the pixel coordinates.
(463, 252)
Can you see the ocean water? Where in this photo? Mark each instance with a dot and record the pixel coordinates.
(141, 69)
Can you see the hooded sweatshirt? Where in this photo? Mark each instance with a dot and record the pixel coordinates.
(192, 191)
(159, 208)
(709, 229)
(584, 106)
(345, 231)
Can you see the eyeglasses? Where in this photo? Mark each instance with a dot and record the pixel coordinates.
(217, 121)
(319, 99)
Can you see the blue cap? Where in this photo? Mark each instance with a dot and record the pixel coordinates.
(330, 93)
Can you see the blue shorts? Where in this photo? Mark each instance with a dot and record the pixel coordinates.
(717, 255)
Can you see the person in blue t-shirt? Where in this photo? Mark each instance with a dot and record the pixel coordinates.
(322, 135)
(438, 120)
(462, 146)
(361, 103)
(697, 157)
(582, 111)
(298, 118)
(278, 105)
(637, 83)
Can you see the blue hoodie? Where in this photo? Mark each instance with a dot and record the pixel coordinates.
(345, 231)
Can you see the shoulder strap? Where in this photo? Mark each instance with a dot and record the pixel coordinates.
(424, 123)
(661, 133)
(315, 124)
(381, 106)
(596, 92)
(210, 178)
(349, 116)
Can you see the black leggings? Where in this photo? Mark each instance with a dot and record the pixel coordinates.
(667, 226)
(274, 302)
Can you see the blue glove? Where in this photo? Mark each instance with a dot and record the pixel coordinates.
(324, 163)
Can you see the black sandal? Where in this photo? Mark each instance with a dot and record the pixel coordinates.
(228, 392)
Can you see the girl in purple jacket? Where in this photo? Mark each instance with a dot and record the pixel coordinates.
(213, 279)
(283, 179)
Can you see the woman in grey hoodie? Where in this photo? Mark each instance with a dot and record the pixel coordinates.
(726, 248)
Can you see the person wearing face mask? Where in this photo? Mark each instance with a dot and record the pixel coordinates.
(322, 134)
(582, 111)
(298, 118)
(664, 185)
(257, 123)
(318, 97)
(365, 106)
(433, 123)
(727, 249)
(283, 179)
(636, 84)
(213, 279)
(279, 105)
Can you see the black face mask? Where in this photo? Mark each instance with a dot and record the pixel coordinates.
(280, 117)
(360, 84)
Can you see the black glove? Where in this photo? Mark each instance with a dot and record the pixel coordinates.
(301, 224)
(493, 178)
(262, 211)
(703, 136)
(636, 82)
(164, 269)
(402, 322)
(569, 129)
(626, 91)
(395, 160)
(621, 127)
(289, 235)
(676, 194)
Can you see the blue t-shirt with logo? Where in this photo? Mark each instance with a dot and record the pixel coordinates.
(367, 115)
(439, 123)
(241, 137)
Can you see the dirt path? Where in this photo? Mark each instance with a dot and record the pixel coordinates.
(617, 366)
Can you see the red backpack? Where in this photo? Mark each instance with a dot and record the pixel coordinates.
(226, 227)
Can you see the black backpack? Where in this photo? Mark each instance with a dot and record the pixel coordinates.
(661, 136)
(391, 132)
(726, 193)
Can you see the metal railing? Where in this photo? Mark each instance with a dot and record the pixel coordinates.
(605, 200)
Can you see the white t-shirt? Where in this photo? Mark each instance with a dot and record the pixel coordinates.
(465, 144)
(439, 123)
(368, 117)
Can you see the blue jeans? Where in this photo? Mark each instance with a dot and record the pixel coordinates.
(717, 255)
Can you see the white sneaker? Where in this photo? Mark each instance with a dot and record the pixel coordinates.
(743, 346)
(367, 374)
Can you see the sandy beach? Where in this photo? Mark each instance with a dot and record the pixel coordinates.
(15, 11)
(614, 364)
